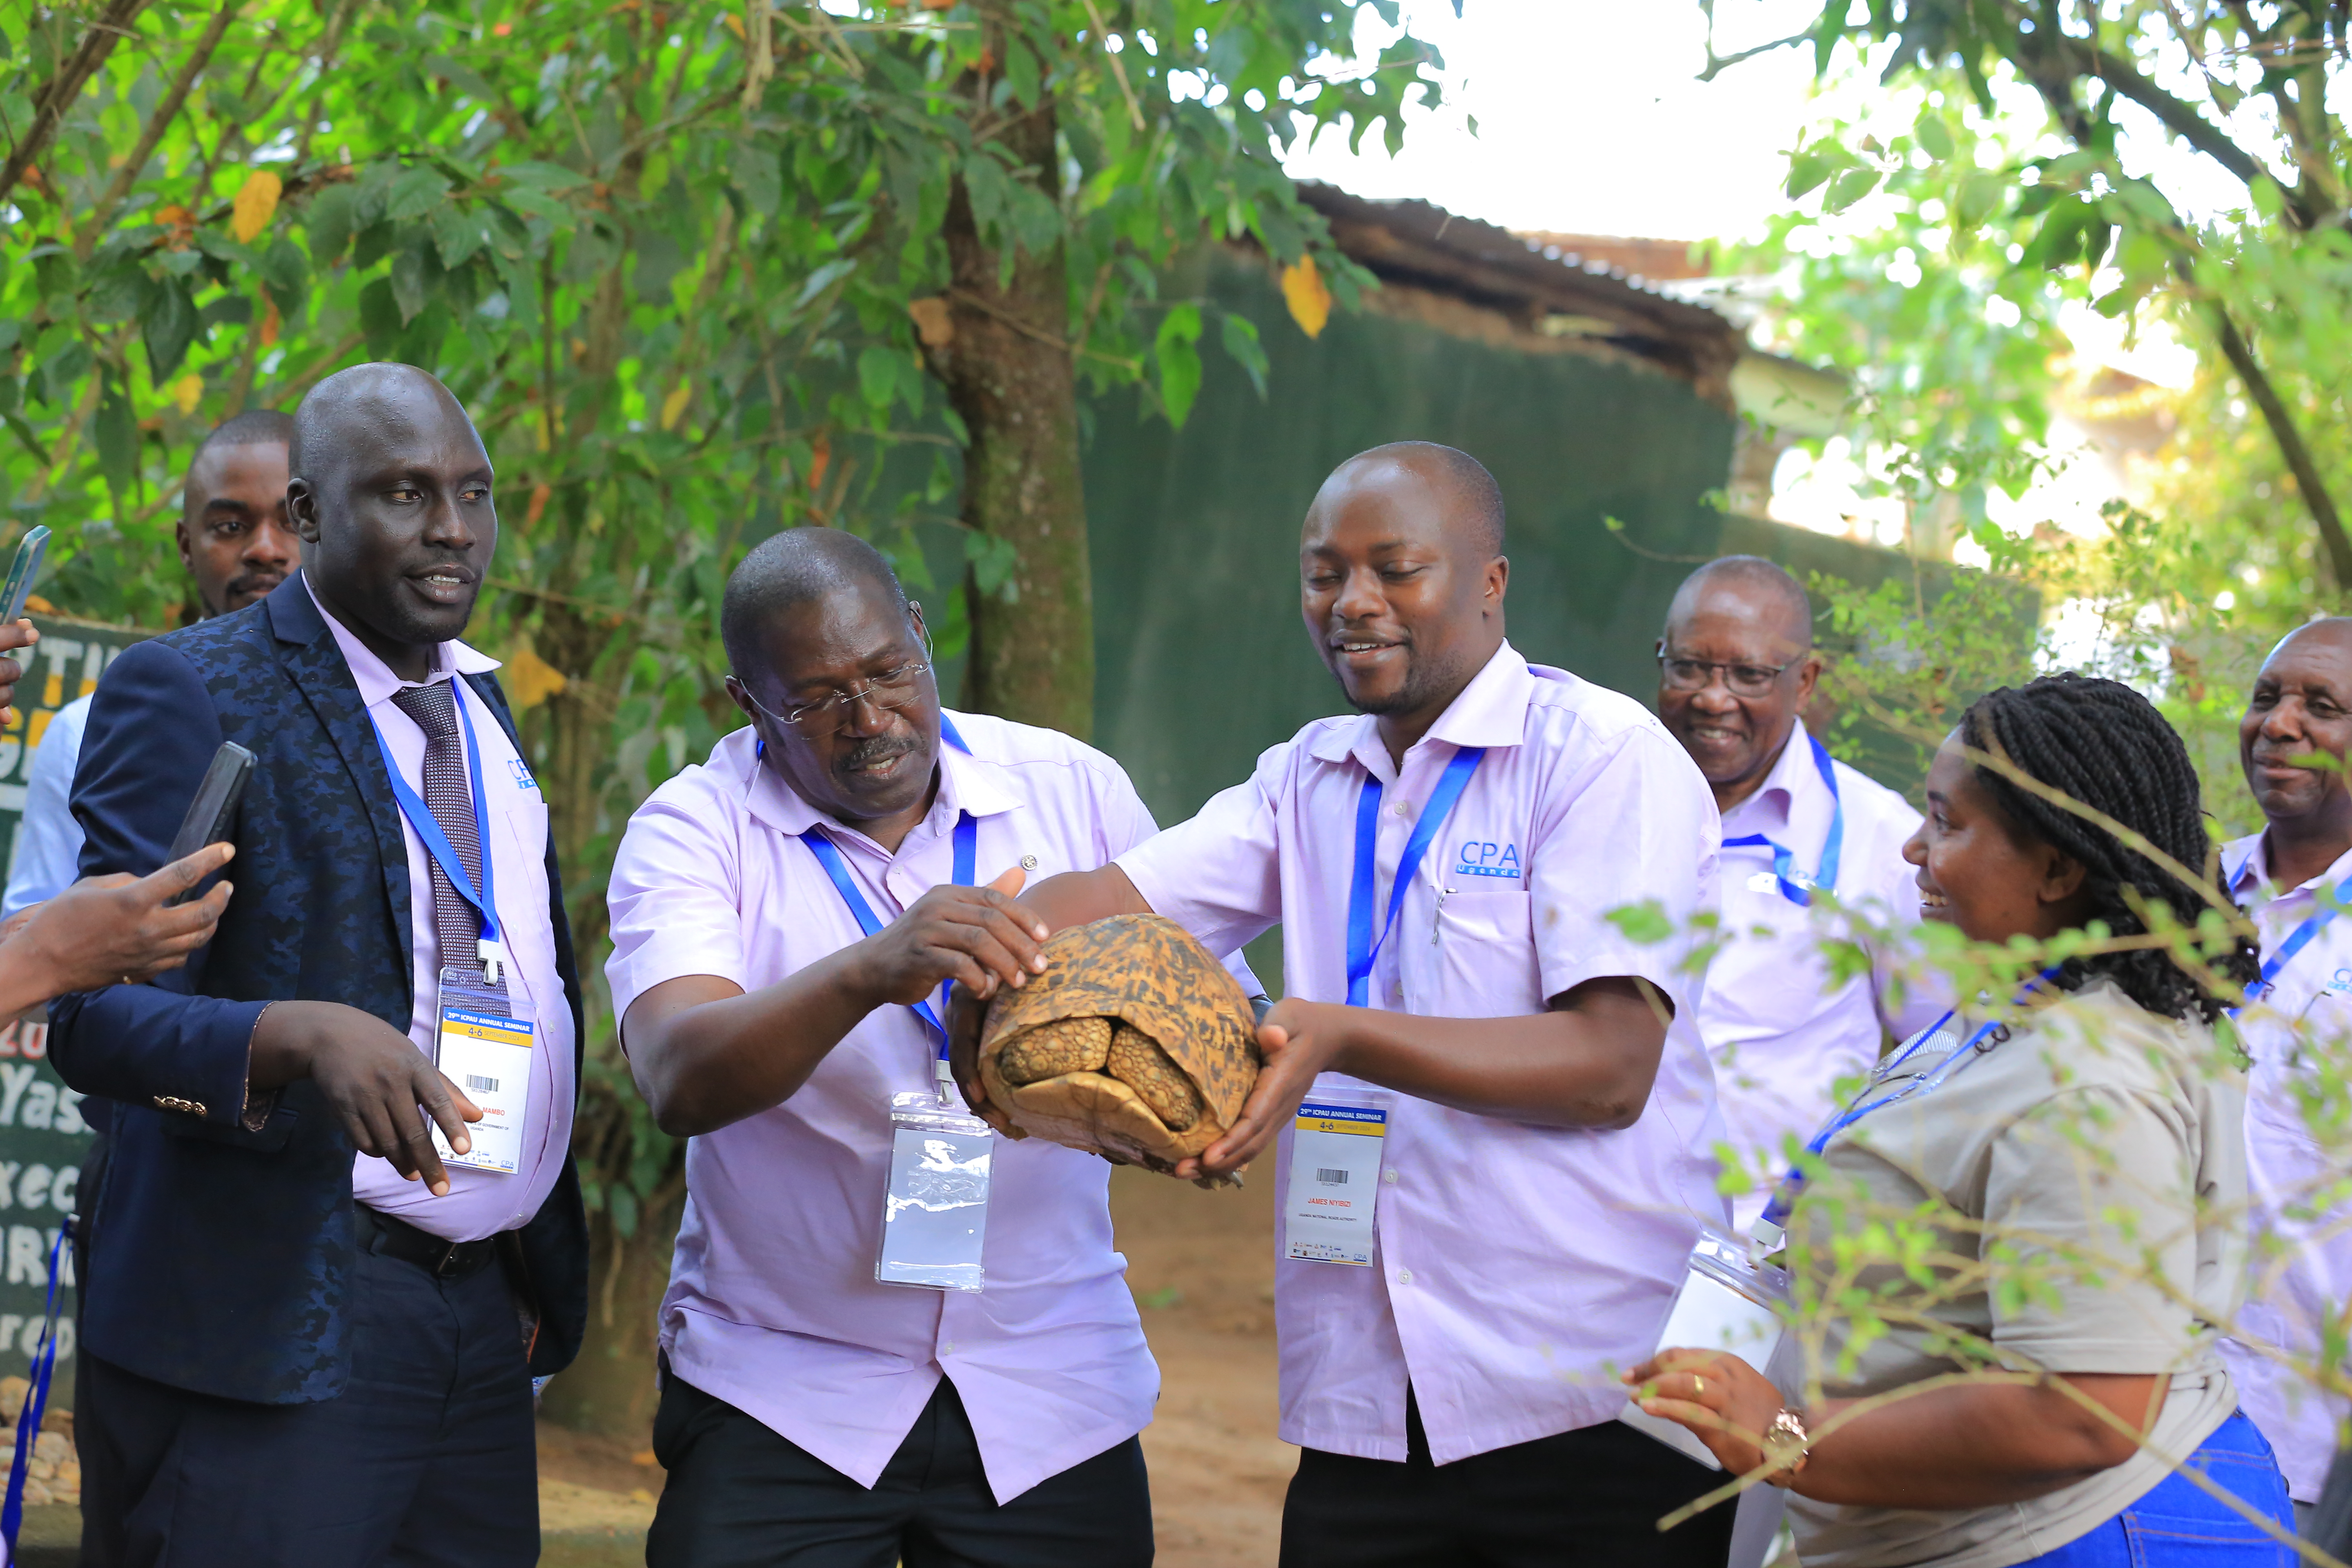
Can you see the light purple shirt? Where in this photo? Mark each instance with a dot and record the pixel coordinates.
(1516, 1269)
(772, 1305)
(514, 842)
(2302, 1245)
(1780, 1033)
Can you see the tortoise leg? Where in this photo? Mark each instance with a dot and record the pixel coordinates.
(1136, 1060)
(1049, 1050)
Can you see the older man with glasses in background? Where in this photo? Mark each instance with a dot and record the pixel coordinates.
(845, 1376)
(1736, 668)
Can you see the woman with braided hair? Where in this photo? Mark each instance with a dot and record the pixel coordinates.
(2016, 1241)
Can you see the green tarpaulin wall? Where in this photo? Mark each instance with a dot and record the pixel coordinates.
(1203, 661)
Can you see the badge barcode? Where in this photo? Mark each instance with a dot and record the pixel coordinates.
(1330, 1177)
(478, 1084)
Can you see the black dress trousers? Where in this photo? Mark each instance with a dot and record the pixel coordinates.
(1588, 1498)
(739, 1496)
(427, 1460)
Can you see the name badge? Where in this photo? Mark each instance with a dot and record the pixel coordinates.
(935, 1215)
(1335, 1179)
(483, 1047)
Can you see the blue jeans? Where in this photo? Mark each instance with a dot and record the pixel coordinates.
(2178, 1524)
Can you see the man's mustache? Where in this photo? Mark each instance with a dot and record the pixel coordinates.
(880, 749)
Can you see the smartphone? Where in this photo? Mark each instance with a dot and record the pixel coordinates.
(214, 807)
(21, 573)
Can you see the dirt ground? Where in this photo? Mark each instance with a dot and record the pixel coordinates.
(1202, 1265)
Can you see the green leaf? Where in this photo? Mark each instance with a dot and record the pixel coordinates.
(456, 235)
(1934, 138)
(1849, 188)
(285, 273)
(540, 176)
(1806, 171)
(1239, 337)
(1979, 197)
(168, 327)
(824, 278)
(1180, 361)
(332, 216)
(415, 193)
(118, 437)
(380, 318)
(1647, 924)
(993, 562)
(408, 280)
(877, 374)
(759, 175)
(117, 293)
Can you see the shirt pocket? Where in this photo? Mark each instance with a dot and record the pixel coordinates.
(1485, 955)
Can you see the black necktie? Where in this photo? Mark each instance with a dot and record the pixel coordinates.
(449, 796)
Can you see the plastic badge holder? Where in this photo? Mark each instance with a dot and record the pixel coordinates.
(1729, 1301)
(936, 1216)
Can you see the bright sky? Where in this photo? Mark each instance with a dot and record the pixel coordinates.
(1590, 118)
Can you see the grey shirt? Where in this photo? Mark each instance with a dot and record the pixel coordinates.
(2083, 1183)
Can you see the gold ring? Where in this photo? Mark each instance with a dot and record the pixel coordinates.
(1698, 1386)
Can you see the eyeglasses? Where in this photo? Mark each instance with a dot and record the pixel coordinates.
(1743, 679)
(892, 688)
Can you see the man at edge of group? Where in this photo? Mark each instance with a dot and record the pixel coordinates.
(237, 546)
(1736, 668)
(779, 914)
(2300, 711)
(311, 1342)
(1545, 1112)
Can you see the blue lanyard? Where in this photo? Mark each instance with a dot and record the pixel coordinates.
(1784, 864)
(437, 842)
(1363, 947)
(1792, 1185)
(967, 851)
(2299, 938)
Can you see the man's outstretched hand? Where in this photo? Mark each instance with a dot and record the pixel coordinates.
(1299, 1041)
(378, 1083)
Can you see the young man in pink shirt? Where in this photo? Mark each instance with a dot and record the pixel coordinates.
(783, 918)
(1515, 1083)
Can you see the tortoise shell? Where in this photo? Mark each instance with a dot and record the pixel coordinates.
(1135, 1043)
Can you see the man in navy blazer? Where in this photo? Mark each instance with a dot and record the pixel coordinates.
(312, 1329)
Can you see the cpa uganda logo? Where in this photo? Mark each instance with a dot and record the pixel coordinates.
(1479, 858)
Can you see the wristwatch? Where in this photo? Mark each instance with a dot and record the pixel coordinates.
(1782, 1432)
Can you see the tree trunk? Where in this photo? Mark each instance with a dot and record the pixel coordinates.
(1009, 375)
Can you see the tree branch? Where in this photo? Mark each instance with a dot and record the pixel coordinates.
(2307, 479)
(50, 104)
(167, 111)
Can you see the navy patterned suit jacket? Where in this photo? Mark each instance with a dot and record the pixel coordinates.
(221, 1257)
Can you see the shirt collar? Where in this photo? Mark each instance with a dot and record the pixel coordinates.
(375, 678)
(1792, 775)
(1491, 711)
(967, 783)
(2246, 869)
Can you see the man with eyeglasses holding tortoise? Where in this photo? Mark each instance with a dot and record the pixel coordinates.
(784, 917)
(1736, 668)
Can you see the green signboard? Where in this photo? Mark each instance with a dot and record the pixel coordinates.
(43, 1137)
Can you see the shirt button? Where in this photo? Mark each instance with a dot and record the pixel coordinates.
(1404, 809)
(1389, 1176)
(1404, 1275)
(947, 1349)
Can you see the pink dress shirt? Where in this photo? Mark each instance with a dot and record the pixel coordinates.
(480, 1203)
(1780, 1033)
(2300, 1254)
(1516, 1269)
(772, 1305)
